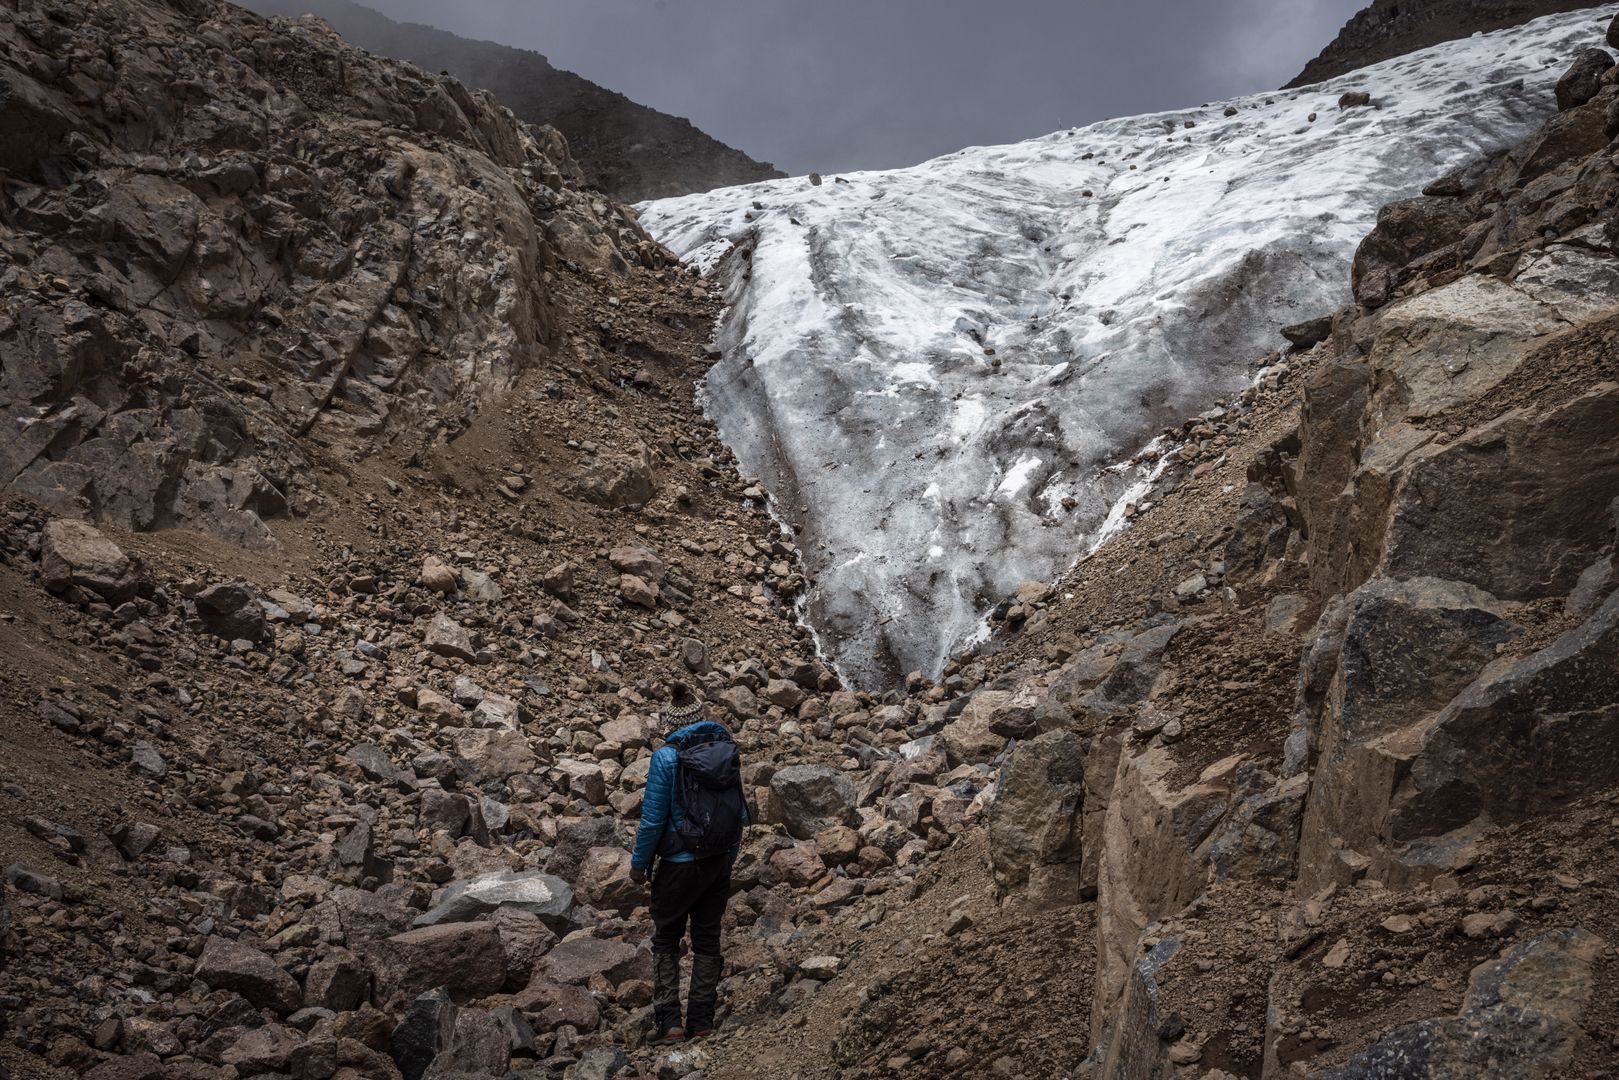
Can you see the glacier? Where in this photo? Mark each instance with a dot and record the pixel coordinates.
(936, 371)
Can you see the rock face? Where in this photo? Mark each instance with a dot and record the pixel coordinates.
(1034, 825)
(1406, 650)
(628, 150)
(244, 290)
(1426, 553)
(1521, 1019)
(1390, 28)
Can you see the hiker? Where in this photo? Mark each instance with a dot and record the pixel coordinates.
(692, 815)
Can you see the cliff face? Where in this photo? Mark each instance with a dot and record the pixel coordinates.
(630, 151)
(1390, 28)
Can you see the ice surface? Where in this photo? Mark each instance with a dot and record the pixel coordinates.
(1125, 274)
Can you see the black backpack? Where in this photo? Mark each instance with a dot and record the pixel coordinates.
(708, 784)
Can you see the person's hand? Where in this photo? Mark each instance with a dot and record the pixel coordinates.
(638, 876)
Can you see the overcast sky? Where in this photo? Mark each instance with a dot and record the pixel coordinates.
(838, 85)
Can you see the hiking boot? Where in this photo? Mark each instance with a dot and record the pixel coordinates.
(666, 997)
(705, 990)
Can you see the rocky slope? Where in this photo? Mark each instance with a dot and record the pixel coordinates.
(985, 341)
(1385, 29)
(1328, 735)
(255, 249)
(630, 151)
(1306, 772)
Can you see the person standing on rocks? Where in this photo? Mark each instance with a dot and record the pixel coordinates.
(692, 815)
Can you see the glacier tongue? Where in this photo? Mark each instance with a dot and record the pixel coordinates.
(1125, 275)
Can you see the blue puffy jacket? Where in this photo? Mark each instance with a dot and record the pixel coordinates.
(660, 806)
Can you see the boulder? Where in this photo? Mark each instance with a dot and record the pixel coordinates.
(629, 731)
(837, 845)
(479, 1045)
(574, 841)
(1404, 232)
(1583, 79)
(1489, 321)
(583, 780)
(493, 754)
(77, 553)
(524, 937)
(497, 711)
(478, 585)
(232, 965)
(266, 1049)
(784, 693)
(604, 880)
(1260, 837)
(373, 761)
(559, 582)
(740, 702)
(551, 1005)
(1520, 741)
(232, 611)
(618, 481)
(338, 981)
(438, 708)
(637, 591)
(438, 575)
(1034, 824)
(364, 916)
(694, 655)
(809, 798)
(424, 1030)
(1508, 507)
(538, 893)
(130, 1067)
(446, 637)
(798, 866)
(969, 739)
(639, 562)
(577, 959)
(454, 814)
(466, 959)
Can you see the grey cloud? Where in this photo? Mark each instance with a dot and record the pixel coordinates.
(836, 85)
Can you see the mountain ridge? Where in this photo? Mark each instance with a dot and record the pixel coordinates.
(1388, 28)
(629, 150)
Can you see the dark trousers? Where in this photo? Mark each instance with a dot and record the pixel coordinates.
(690, 890)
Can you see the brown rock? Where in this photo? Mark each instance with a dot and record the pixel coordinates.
(76, 553)
(837, 845)
(338, 981)
(604, 880)
(231, 965)
(575, 960)
(465, 958)
(446, 637)
(438, 575)
(634, 590)
(1034, 823)
(639, 562)
(798, 865)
